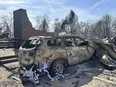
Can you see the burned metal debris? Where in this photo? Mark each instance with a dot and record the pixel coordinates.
(106, 52)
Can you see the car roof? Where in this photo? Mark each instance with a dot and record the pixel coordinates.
(68, 36)
(37, 37)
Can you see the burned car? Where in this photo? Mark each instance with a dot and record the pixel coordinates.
(56, 52)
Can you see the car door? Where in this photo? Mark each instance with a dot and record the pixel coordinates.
(78, 52)
(71, 49)
(85, 51)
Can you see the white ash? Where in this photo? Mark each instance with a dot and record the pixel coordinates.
(34, 77)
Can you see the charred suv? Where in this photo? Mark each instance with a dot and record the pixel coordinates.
(56, 52)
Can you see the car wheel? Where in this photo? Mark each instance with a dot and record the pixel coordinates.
(57, 67)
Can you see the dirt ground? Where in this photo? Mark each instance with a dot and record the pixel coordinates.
(88, 74)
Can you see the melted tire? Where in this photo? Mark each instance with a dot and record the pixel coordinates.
(57, 67)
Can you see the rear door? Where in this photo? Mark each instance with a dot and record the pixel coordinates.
(85, 51)
(75, 49)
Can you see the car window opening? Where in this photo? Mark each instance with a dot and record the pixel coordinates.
(32, 43)
(55, 42)
(69, 42)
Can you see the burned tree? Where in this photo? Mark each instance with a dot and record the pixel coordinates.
(6, 25)
(38, 21)
(70, 22)
(44, 25)
(57, 26)
(113, 26)
(103, 27)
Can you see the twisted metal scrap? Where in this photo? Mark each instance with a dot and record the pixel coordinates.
(107, 50)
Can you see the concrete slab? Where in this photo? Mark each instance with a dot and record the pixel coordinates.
(8, 52)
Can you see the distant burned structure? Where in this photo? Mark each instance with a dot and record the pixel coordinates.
(23, 28)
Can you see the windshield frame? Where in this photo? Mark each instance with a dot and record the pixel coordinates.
(32, 43)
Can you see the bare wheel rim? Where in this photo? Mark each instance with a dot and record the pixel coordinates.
(58, 67)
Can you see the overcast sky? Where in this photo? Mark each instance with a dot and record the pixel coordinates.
(85, 9)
